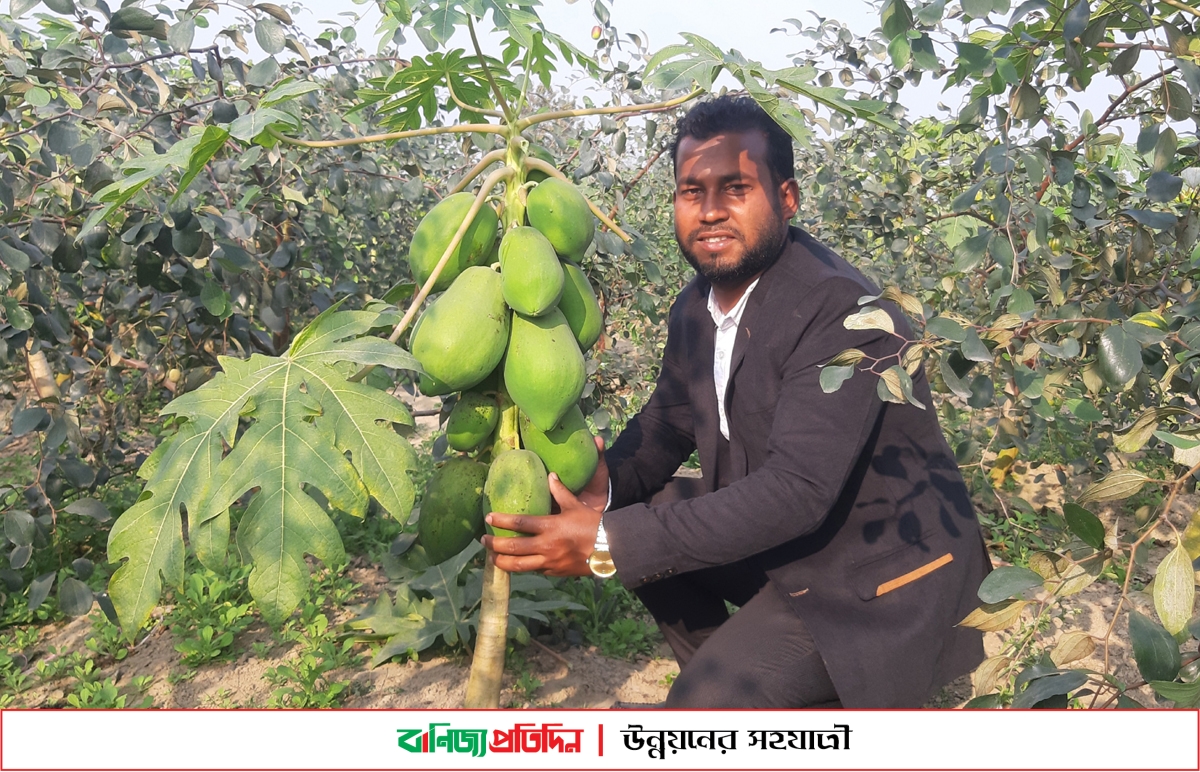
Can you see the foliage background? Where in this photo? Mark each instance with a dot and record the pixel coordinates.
(151, 223)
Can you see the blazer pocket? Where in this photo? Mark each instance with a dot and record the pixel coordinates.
(907, 564)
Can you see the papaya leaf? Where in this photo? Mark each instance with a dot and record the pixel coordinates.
(305, 418)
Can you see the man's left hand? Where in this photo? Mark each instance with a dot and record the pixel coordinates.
(558, 545)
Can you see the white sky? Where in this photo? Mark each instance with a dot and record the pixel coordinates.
(741, 24)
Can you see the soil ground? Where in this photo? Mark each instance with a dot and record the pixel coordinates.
(567, 676)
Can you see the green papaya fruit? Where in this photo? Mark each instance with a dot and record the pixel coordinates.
(461, 337)
(568, 450)
(544, 369)
(560, 212)
(437, 229)
(516, 485)
(578, 303)
(542, 154)
(471, 421)
(452, 509)
(530, 273)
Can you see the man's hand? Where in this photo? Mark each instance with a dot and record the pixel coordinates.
(558, 545)
(595, 493)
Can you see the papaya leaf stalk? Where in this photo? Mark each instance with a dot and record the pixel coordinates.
(465, 128)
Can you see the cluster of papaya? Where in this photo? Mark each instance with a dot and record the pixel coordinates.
(508, 342)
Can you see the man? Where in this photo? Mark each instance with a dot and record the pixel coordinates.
(838, 523)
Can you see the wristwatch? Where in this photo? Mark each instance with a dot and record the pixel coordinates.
(600, 561)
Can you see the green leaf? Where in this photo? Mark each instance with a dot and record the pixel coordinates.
(1124, 62)
(306, 418)
(1183, 695)
(37, 96)
(210, 143)
(978, 9)
(92, 508)
(1160, 221)
(1085, 525)
(287, 90)
(900, 51)
(39, 589)
(16, 314)
(1076, 20)
(1007, 582)
(181, 35)
(13, 258)
(1175, 590)
(970, 252)
(270, 35)
(131, 19)
(215, 299)
(249, 126)
(1020, 302)
(947, 328)
(263, 73)
(1049, 686)
(1163, 187)
(973, 348)
(895, 18)
(1117, 485)
(931, 13)
(18, 7)
(19, 527)
(833, 376)
(1154, 650)
(1120, 356)
(74, 597)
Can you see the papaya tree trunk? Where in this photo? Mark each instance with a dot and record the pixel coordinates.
(487, 666)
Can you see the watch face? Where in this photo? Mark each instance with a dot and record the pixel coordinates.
(601, 564)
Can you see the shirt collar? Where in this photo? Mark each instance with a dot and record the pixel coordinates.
(735, 313)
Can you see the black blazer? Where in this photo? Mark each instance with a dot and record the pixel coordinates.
(853, 506)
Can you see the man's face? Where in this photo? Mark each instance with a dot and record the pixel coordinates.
(730, 215)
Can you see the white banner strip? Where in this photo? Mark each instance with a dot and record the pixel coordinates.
(44, 740)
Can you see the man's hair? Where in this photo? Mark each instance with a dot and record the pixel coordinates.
(737, 113)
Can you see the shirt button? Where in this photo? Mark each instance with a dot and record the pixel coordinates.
(720, 355)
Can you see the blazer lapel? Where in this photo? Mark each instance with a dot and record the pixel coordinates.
(706, 421)
(752, 316)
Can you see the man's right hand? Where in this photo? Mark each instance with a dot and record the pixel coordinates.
(595, 493)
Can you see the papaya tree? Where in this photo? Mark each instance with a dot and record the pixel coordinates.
(261, 450)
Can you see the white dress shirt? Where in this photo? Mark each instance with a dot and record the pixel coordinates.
(727, 327)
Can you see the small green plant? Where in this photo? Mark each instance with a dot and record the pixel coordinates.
(612, 618)
(628, 638)
(527, 684)
(303, 681)
(57, 664)
(209, 614)
(106, 639)
(13, 661)
(105, 694)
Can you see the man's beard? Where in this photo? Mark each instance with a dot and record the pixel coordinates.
(758, 257)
